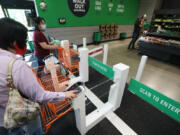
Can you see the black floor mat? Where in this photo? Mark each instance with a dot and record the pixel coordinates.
(66, 125)
(95, 78)
(141, 116)
(104, 128)
(145, 119)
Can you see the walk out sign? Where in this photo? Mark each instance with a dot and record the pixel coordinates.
(102, 68)
(163, 103)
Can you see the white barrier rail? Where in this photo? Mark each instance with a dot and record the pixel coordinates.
(141, 67)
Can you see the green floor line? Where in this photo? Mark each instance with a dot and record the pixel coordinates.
(102, 68)
(158, 100)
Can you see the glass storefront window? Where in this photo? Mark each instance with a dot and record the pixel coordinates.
(1, 12)
(18, 15)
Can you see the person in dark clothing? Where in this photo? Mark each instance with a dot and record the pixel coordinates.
(41, 45)
(137, 28)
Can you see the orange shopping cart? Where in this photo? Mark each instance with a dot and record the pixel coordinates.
(52, 111)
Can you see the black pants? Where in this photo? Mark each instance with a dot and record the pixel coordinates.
(15, 131)
(133, 41)
(3, 131)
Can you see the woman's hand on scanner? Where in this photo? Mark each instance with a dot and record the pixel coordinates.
(71, 94)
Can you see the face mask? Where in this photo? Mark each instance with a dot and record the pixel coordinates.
(20, 51)
(43, 27)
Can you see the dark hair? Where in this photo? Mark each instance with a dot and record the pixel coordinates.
(11, 31)
(37, 22)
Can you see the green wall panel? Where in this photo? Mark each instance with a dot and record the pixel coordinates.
(59, 9)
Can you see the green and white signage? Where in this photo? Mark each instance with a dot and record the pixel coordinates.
(98, 5)
(102, 68)
(120, 8)
(163, 103)
(110, 7)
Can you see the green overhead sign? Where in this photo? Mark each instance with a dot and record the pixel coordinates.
(102, 68)
(75, 13)
(163, 103)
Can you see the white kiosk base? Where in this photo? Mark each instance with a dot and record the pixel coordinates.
(85, 123)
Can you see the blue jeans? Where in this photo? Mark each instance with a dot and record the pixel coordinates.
(34, 128)
(17, 131)
(40, 66)
(40, 61)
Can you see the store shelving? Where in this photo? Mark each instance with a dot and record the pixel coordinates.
(163, 37)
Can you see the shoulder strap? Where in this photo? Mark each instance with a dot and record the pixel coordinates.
(9, 78)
